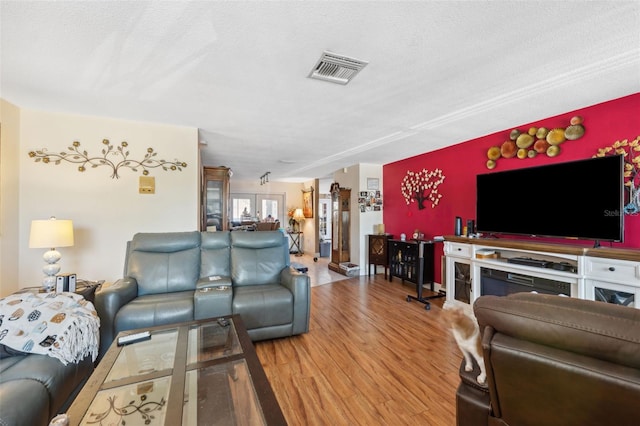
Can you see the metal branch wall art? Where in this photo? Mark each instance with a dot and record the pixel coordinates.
(421, 186)
(116, 157)
(631, 153)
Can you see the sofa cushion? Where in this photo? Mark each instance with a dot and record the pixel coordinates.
(43, 380)
(24, 402)
(215, 254)
(60, 380)
(165, 242)
(164, 262)
(263, 305)
(257, 258)
(155, 309)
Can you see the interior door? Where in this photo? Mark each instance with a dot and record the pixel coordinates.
(243, 208)
(325, 218)
(271, 205)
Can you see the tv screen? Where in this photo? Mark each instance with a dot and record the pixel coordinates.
(578, 199)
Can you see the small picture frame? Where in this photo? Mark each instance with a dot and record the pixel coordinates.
(373, 184)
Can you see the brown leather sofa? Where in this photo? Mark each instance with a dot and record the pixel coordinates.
(553, 360)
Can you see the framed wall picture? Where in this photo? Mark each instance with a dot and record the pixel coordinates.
(307, 202)
(373, 184)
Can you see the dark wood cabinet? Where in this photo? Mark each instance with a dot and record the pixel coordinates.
(406, 262)
(378, 252)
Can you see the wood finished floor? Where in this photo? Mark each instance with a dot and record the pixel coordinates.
(370, 358)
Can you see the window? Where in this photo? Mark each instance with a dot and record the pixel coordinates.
(258, 207)
(242, 209)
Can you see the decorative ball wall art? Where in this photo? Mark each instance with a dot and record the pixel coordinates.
(535, 141)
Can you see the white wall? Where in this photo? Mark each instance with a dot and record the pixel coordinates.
(366, 220)
(106, 212)
(9, 197)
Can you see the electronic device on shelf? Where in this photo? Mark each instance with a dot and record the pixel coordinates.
(528, 261)
(564, 266)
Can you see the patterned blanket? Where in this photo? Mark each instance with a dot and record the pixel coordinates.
(61, 325)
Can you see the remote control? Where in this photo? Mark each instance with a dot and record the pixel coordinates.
(133, 338)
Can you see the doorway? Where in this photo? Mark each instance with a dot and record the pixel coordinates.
(324, 216)
(257, 207)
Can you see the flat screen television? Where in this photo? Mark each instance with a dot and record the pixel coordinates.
(578, 199)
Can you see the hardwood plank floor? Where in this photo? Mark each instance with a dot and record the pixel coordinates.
(370, 358)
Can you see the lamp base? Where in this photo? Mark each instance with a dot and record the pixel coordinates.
(49, 283)
(50, 269)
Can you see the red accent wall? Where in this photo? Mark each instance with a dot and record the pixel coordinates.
(604, 124)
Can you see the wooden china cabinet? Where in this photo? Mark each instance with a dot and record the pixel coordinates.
(214, 201)
(340, 226)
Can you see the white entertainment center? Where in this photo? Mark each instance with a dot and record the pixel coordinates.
(477, 266)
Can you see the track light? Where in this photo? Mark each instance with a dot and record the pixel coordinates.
(264, 178)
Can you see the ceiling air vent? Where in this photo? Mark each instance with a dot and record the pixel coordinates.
(336, 68)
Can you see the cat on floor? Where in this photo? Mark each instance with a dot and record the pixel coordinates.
(466, 332)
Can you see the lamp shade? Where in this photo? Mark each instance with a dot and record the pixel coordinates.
(51, 233)
(298, 215)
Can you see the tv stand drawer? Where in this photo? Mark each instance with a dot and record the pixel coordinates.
(621, 271)
(457, 249)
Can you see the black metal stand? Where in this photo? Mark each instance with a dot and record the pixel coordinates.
(295, 243)
(419, 297)
(425, 300)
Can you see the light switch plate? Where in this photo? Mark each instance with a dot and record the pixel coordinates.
(147, 185)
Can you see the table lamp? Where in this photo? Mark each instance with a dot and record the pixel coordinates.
(299, 217)
(50, 234)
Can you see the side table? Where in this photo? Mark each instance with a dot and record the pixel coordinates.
(85, 288)
(295, 243)
(88, 289)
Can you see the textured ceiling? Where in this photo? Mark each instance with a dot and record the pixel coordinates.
(439, 73)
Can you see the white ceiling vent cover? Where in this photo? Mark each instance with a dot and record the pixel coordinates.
(336, 68)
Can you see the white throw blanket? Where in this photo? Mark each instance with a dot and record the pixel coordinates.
(61, 325)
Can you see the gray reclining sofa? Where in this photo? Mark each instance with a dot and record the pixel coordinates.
(181, 276)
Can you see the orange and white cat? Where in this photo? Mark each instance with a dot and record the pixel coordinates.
(466, 332)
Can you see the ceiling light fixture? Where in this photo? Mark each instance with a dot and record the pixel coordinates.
(264, 178)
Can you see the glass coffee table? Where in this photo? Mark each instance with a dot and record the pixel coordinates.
(198, 373)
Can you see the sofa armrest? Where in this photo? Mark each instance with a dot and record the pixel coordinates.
(595, 329)
(473, 403)
(108, 301)
(299, 285)
(213, 297)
